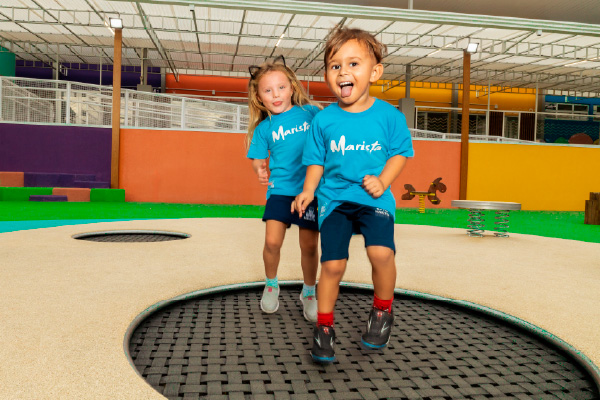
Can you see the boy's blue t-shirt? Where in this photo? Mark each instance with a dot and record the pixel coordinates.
(352, 145)
(282, 137)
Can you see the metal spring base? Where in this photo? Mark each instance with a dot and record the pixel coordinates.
(422, 204)
(501, 223)
(476, 223)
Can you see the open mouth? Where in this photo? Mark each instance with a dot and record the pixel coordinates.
(346, 88)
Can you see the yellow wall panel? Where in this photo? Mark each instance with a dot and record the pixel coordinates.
(540, 177)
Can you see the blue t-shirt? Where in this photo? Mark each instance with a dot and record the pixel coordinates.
(282, 138)
(352, 145)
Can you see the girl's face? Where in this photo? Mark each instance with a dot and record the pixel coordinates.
(275, 91)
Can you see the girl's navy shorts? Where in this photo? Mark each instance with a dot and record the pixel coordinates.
(375, 224)
(278, 208)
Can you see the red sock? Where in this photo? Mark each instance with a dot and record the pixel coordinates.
(325, 318)
(385, 305)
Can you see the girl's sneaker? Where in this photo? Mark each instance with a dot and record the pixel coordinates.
(309, 304)
(269, 302)
(379, 328)
(322, 351)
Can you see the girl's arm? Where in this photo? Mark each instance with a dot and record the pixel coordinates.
(260, 167)
(313, 177)
(375, 186)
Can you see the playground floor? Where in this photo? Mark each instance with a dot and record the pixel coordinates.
(67, 304)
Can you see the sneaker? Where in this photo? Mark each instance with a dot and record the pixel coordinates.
(269, 302)
(378, 331)
(322, 351)
(309, 303)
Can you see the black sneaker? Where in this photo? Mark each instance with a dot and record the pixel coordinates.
(322, 350)
(378, 331)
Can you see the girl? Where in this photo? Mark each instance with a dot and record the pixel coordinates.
(280, 115)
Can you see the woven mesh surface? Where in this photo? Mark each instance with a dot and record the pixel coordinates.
(131, 237)
(221, 346)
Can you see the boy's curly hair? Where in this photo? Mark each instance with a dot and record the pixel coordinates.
(340, 36)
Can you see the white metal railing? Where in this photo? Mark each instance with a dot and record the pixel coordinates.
(441, 119)
(24, 100)
(425, 134)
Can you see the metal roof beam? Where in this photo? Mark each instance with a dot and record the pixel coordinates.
(164, 55)
(394, 14)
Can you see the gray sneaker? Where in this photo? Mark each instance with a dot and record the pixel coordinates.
(309, 303)
(270, 299)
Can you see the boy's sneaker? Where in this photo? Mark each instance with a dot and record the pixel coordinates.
(269, 302)
(378, 332)
(322, 350)
(309, 304)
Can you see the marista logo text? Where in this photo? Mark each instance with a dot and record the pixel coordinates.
(341, 146)
(281, 134)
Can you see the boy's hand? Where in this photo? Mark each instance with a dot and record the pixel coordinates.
(373, 186)
(301, 202)
(263, 174)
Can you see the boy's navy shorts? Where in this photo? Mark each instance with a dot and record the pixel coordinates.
(375, 224)
(278, 208)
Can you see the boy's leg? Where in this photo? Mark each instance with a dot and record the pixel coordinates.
(274, 235)
(377, 227)
(332, 273)
(336, 232)
(383, 265)
(327, 293)
(309, 259)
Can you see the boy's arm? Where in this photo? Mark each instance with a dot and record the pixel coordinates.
(313, 177)
(260, 167)
(375, 186)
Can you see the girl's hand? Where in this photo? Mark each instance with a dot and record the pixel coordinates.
(373, 186)
(263, 174)
(301, 202)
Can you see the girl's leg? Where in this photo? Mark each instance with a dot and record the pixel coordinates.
(309, 255)
(274, 235)
(310, 262)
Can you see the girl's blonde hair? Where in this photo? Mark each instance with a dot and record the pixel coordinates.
(258, 112)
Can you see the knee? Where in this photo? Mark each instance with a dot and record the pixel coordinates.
(272, 244)
(381, 256)
(333, 269)
(309, 248)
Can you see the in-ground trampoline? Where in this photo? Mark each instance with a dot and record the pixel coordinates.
(218, 344)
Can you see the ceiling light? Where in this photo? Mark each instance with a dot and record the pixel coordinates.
(116, 23)
(280, 37)
(472, 47)
(434, 52)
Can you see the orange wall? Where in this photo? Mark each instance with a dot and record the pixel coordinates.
(211, 168)
(231, 87)
(425, 94)
(433, 159)
(187, 167)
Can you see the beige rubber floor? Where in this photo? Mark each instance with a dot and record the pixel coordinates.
(66, 304)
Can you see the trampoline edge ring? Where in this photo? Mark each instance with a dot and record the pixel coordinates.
(508, 319)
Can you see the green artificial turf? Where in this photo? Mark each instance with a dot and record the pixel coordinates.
(563, 224)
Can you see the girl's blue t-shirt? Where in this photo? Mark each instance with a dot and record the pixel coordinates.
(282, 138)
(352, 145)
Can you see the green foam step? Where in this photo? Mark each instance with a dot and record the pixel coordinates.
(107, 195)
(22, 193)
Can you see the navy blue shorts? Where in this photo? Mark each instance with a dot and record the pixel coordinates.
(278, 208)
(375, 224)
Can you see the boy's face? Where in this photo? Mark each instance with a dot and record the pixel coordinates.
(349, 74)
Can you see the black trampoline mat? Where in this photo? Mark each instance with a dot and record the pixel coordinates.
(222, 346)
